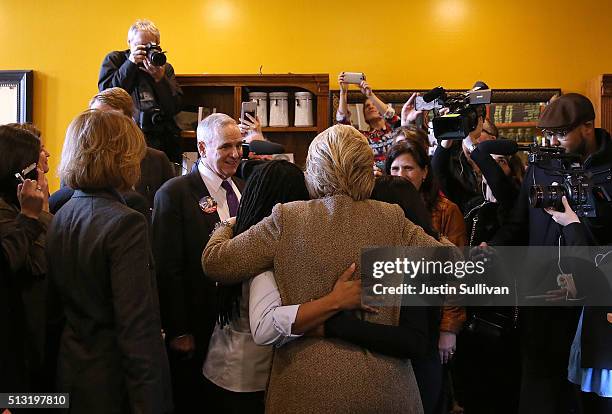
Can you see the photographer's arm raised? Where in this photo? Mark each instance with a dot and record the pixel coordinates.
(343, 114)
(118, 71)
(409, 112)
(385, 110)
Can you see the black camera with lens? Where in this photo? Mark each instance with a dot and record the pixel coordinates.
(576, 187)
(463, 111)
(579, 186)
(155, 55)
(151, 119)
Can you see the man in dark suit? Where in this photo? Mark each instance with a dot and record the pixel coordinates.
(155, 170)
(185, 213)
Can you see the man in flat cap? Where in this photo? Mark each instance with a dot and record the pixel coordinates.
(547, 333)
(569, 121)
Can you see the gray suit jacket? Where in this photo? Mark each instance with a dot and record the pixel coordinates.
(111, 357)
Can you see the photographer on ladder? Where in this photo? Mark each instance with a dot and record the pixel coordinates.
(143, 72)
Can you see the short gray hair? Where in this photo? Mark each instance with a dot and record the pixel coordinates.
(210, 127)
(340, 161)
(143, 25)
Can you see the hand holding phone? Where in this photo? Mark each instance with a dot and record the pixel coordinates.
(249, 108)
(31, 198)
(21, 176)
(354, 77)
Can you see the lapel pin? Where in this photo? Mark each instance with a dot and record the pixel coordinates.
(208, 205)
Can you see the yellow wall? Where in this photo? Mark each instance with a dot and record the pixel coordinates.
(398, 44)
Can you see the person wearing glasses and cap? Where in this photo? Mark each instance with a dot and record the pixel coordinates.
(547, 333)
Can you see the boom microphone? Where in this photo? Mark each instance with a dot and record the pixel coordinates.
(435, 93)
(266, 147)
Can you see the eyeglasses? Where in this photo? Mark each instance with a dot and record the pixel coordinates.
(559, 134)
(488, 132)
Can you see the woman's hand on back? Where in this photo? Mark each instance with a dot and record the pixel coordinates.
(347, 293)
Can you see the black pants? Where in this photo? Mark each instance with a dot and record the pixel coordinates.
(188, 391)
(594, 404)
(546, 338)
(229, 402)
(428, 373)
(547, 395)
(486, 373)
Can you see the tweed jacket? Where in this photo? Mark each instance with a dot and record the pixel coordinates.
(308, 244)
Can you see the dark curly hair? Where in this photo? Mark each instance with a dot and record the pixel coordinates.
(271, 183)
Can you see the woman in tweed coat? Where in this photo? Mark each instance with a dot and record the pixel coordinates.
(307, 244)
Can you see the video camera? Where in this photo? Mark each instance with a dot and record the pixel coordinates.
(538, 154)
(462, 117)
(575, 183)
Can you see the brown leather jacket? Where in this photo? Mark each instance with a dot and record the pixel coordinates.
(447, 219)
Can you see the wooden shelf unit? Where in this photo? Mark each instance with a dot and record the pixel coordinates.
(599, 90)
(530, 124)
(227, 92)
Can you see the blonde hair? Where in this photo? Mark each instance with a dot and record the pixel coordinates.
(143, 25)
(116, 98)
(102, 150)
(340, 161)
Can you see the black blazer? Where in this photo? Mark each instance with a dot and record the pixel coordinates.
(155, 170)
(111, 357)
(181, 230)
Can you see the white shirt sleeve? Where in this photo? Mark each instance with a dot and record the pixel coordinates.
(270, 321)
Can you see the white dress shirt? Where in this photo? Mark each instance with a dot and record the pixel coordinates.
(234, 361)
(213, 184)
(239, 355)
(270, 321)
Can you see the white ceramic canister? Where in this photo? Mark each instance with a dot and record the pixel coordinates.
(279, 109)
(303, 109)
(262, 106)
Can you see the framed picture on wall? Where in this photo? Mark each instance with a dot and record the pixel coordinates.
(15, 96)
